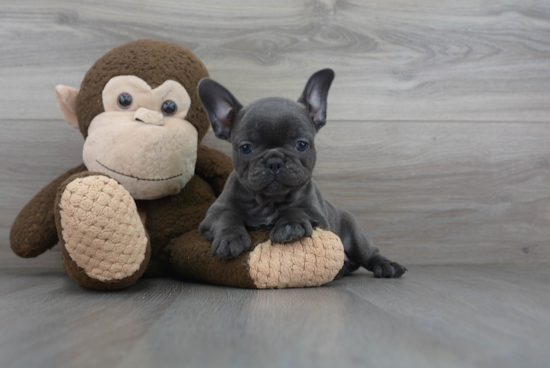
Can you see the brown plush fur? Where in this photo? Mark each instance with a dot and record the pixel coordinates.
(34, 230)
(167, 218)
(192, 259)
(172, 216)
(152, 61)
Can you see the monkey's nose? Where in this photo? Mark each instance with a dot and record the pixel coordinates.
(148, 116)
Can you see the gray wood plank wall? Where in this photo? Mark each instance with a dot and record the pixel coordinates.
(439, 116)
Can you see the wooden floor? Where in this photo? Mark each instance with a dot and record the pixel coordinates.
(440, 316)
(437, 139)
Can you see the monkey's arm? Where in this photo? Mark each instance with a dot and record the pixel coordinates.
(214, 167)
(34, 230)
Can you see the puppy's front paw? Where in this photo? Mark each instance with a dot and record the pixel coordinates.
(388, 269)
(231, 243)
(285, 232)
(206, 231)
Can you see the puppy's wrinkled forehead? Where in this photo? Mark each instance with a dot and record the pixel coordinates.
(273, 121)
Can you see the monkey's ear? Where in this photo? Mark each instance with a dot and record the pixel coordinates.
(222, 107)
(315, 94)
(66, 98)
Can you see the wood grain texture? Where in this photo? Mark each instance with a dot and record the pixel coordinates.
(443, 316)
(395, 60)
(427, 193)
(438, 117)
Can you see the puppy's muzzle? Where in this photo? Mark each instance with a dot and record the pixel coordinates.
(274, 162)
(274, 165)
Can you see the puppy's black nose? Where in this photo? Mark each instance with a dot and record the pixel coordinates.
(275, 164)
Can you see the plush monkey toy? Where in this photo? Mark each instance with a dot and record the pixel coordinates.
(133, 207)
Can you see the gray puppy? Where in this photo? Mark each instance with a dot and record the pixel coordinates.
(271, 186)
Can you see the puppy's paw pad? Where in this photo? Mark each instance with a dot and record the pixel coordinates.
(231, 243)
(291, 231)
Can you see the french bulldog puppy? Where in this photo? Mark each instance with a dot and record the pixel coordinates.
(271, 186)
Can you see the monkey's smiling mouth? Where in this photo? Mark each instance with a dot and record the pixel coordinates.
(135, 177)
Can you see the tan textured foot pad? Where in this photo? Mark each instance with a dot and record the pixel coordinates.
(308, 262)
(101, 229)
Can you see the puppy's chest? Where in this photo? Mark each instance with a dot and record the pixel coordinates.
(262, 216)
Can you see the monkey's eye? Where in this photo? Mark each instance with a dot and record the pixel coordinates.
(124, 100)
(169, 108)
(302, 146)
(246, 149)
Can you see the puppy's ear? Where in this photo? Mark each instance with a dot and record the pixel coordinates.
(315, 96)
(222, 107)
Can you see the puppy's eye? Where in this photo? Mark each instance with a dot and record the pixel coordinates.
(124, 100)
(302, 146)
(169, 108)
(246, 149)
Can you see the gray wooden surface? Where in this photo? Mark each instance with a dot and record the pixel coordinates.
(438, 117)
(436, 316)
(437, 140)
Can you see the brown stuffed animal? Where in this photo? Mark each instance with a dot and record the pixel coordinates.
(133, 207)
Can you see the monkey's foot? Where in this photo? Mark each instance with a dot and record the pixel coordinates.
(105, 245)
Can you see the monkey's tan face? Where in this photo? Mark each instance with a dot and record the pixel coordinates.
(142, 139)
